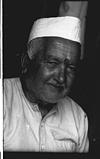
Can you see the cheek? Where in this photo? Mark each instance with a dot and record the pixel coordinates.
(69, 80)
(46, 73)
(41, 76)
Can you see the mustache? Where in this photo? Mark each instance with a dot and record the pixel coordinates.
(57, 85)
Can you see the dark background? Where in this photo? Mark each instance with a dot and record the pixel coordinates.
(18, 17)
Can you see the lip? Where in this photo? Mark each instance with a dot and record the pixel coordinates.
(56, 85)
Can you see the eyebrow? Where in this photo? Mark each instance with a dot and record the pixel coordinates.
(54, 58)
(57, 59)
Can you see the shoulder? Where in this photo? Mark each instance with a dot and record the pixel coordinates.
(9, 87)
(69, 105)
(78, 110)
(11, 94)
(71, 109)
(11, 106)
(9, 82)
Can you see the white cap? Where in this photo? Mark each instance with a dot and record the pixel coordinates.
(67, 27)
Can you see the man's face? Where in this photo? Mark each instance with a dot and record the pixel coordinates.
(56, 71)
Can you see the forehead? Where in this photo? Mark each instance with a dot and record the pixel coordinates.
(62, 48)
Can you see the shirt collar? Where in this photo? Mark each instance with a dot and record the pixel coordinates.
(35, 107)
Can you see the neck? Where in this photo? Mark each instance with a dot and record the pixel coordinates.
(45, 107)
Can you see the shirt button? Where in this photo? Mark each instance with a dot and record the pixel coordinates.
(18, 116)
(42, 147)
(42, 124)
(27, 126)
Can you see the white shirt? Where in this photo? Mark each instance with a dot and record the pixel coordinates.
(63, 129)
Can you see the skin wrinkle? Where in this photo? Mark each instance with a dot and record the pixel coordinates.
(61, 46)
(50, 75)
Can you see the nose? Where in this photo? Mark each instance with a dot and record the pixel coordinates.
(61, 74)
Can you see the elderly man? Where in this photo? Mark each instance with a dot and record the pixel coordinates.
(38, 114)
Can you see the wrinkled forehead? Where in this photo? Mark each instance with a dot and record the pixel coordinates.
(62, 48)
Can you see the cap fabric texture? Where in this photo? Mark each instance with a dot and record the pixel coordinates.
(65, 27)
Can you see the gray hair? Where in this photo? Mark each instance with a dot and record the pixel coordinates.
(34, 47)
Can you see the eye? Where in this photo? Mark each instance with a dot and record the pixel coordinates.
(72, 68)
(52, 63)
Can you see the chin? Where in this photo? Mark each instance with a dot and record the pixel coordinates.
(52, 98)
(52, 95)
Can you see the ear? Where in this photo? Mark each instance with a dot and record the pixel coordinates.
(25, 62)
(34, 46)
